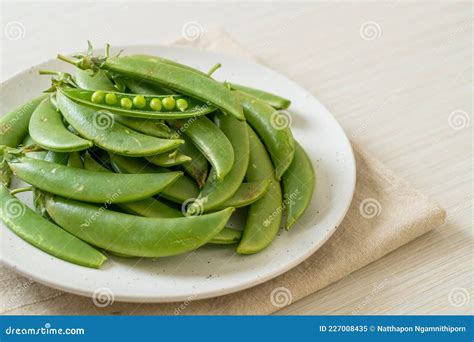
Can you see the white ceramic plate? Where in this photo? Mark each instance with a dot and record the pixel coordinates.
(210, 271)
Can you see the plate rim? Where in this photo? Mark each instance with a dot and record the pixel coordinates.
(203, 294)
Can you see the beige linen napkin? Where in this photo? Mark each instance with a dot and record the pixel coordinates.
(385, 214)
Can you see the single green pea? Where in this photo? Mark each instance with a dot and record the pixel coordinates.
(139, 101)
(182, 104)
(111, 99)
(98, 96)
(155, 104)
(168, 103)
(126, 103)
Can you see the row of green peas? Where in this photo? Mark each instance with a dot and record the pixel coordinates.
(139, 101)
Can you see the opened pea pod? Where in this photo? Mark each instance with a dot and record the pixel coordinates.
(139, 106)
(162, 73)
(100, 128)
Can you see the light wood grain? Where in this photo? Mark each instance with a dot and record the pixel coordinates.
(393, 95)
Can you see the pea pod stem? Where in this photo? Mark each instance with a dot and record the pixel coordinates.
(20, 190)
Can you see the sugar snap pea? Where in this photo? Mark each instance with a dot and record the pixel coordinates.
(5, 171)
(184, 188)
(198, 167)
(86, 79)
(141, 87)
(210, 140)
(154, 70)
(146, 207)
(100, 128)
(264, 216)
(75, 160)
(47, 130)
(298, 186)
(273, 100)
(90, 186)
(122, 104)
(14, 124)
(169, 159)
(246, 194)
(92, 165)
(155, 128)
(217, 191)
(276, 135)
(227, 236)
(152, 237)
(44, 234)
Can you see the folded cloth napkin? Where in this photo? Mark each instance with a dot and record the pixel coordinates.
(385, 214)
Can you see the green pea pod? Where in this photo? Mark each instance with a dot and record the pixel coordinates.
(47, 130)
(14, 124)
(227, 236)
(246, 194)
(198, 167)
(44, 234)
(171, 62)
(150, 207)
(210, 140)
(169, 159)
(216, 191)
(184, 188)
(264, 216)
(85, 98)
(90, 186)
(153, 237)
(140, 87)
(298, 186)
(92, 165)
(38, 195)
(75, 160)
(144, 207)
(155, 128)
(155, 71)
(5, 171)
(273, 128)
(273, 100)
(100, 128)
(88, 80)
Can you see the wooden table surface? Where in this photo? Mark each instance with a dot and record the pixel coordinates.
(397, 76)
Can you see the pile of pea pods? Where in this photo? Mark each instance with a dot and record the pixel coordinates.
(141, 156)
